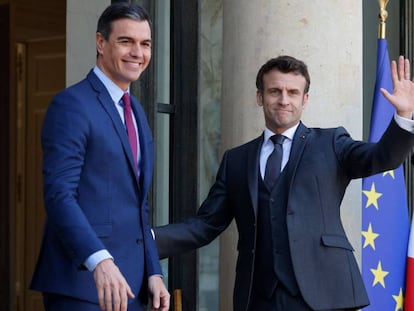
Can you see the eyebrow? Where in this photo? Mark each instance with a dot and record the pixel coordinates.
(130, 38)
(280, 88)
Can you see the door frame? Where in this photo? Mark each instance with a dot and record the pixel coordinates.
(183, 175)
(5, 158)
(183, 269)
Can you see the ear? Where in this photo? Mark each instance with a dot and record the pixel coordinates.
(305, 100)
(100, 42)
(259, 98)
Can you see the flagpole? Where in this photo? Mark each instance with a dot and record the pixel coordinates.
(383, 18)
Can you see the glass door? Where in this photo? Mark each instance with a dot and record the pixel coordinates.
(162, 118)
(181, 93)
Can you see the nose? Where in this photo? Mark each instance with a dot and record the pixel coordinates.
(136, 50)
(283, 100)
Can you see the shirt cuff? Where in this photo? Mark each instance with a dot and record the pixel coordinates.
(93, 260)
(404, 123)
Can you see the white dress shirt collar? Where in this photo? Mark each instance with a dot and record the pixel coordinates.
(114, 90)
(289, 133)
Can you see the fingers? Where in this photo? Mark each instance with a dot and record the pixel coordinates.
(401, 68)
(407, 70)
(113, 290)
(101, 297)
(160, 295)
(156, 300)
(385, 93)
(402, 96)
(129, 292)
(108, 298)
(161, 302)
(402, 71)
(165, 301)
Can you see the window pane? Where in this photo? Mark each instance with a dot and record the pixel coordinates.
(162, 121)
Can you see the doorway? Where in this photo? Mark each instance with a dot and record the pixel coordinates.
(41, 68)
(37, 48)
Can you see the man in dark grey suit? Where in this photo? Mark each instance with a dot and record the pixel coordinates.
(293, 252)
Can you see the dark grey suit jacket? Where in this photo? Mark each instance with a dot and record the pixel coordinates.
(322, 163)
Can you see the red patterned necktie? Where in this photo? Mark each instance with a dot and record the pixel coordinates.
(132, 135)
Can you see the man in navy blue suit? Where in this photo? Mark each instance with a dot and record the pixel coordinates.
(97, 250)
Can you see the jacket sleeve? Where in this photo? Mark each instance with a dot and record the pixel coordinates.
(361, 159)
(212, 218)
(64, 141)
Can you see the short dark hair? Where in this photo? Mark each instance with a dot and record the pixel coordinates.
(283, 64)
(119, 10)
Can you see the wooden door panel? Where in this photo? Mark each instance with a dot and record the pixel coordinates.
(44, 77)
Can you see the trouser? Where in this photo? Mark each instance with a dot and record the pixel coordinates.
(282, 300)
(55, 302)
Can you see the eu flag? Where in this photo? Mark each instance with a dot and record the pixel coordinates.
(385, 224)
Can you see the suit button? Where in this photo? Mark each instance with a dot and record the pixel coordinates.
(253, 251)
(139, 241)
(272, 200)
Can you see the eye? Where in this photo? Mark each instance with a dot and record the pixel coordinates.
(146, 44)
(294, 92)
(125, 42)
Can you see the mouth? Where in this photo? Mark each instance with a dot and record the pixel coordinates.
(134, 65)
(282, 110)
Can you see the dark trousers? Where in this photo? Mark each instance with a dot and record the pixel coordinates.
(282, 300)
(53, 302)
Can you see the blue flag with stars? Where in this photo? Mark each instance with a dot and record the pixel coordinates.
(385, 224)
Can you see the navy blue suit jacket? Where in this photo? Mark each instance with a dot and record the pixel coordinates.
(93, 196)
(322, 162)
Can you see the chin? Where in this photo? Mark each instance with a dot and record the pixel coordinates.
(133, 77)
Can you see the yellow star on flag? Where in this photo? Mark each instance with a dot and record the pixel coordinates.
(399, 301)
(391, 173)
(372, 196)
(379, 275)
(370, 237)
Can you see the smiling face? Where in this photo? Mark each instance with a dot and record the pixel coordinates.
(283, 99)
(126, 53)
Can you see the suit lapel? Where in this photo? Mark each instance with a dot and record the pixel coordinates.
(299, 142)
(144, 137)
(108, 105)
(253, 160)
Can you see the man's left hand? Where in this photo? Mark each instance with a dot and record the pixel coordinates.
(159, 293)
(402, 97)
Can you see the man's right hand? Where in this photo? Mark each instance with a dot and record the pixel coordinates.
(113, 289)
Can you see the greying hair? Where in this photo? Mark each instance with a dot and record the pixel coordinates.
(284, 64)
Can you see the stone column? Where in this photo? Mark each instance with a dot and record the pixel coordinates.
(327, 35)
(81, 20)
